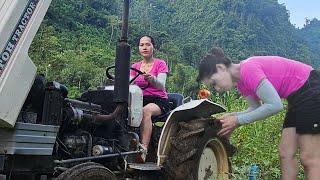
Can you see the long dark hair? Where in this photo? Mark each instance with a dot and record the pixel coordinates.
(146, 35)
(207, 66)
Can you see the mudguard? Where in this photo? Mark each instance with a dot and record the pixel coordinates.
(191, 110)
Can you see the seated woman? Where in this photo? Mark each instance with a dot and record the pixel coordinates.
(155, 98)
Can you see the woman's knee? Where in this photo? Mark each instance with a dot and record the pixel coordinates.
(147, 112)
(309, 150)
(307, 160)
(151, 110)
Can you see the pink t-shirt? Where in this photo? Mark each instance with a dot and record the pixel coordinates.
(284, 74)
(159, 66)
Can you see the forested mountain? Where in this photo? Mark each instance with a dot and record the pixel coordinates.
(77, 39)
(243, 27)
(311, 34)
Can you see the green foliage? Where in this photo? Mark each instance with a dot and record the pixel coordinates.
(76, 42)
(184, 31)
(311, 34)
(45, 49)
(180, 80)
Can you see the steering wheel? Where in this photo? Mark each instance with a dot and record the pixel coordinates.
(110, 76)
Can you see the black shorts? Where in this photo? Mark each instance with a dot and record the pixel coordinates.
(163, 103)
(304, 106)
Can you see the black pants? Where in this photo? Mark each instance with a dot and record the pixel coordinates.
(163, 103)
(304, 106)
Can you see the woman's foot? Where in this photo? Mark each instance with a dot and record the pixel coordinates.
(141, 157)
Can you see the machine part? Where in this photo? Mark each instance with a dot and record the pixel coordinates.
(83, 105)
(100, 118)
(53, 103)
(135, 106)
(198, 150)
(75, 142)
(192, 110)
(122, 77)
(53, 85)
(96, 157)
(122, 64)
(213, 161)
(153, 145)
(111, 77)
(99, 150)
(19, 23)
(28, 139)
(148, 166)
(77, 114)
(89, 142)
(78, 143)
(139, 73)
(2, 158)
(87, 171)
(34, 102)
(16, 165)
(135, 140)
(102, 97)
(27, 117)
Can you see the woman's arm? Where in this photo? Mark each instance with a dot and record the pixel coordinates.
(253, 104)
(271, 104)
(159, 82)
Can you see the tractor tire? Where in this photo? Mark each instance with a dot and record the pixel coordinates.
(87, 171)
(197, 152)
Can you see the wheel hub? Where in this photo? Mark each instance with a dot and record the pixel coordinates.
(213, 161)
(208, 165)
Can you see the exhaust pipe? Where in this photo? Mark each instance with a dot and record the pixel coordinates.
(122, 69)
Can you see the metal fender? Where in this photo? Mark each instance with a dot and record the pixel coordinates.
(191, 110)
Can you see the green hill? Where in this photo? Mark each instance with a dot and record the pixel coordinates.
(311, 34)
(77, 39)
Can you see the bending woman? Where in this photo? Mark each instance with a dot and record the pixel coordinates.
(263, 81)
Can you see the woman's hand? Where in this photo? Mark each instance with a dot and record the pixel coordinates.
(149, 78)
(229, 124)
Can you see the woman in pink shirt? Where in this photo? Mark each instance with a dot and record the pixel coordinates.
(155, 98)
(263, 81)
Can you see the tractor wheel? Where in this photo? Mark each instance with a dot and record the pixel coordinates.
(87, 171)
(197, 152)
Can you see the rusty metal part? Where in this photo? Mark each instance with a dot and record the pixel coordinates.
(95, 157)
(107, 117)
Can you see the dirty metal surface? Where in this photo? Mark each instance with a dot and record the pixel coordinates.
(28, 139)
(148, 166)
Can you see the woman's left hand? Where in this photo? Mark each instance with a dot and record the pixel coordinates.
(229, 124)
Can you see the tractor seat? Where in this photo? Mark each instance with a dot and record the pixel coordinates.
(175, 100)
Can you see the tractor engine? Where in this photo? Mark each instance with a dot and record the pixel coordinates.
(80, 134)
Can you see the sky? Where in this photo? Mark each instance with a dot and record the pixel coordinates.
(302, 9)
